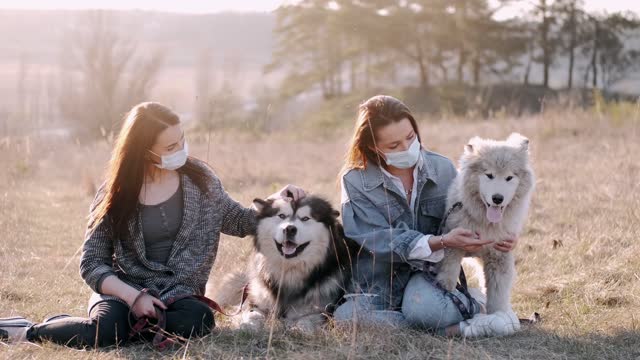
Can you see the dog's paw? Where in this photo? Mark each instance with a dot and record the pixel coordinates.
(501, 323)
(304, 327)
(309, 323)
(252, 320)
(512, 322)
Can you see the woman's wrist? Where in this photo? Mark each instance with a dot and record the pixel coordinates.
(131, 296)
(436, 243)
(443, 244)
(112, 285)
(139, 295)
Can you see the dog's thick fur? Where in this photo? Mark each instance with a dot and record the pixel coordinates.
(494, 184)
(300, 266)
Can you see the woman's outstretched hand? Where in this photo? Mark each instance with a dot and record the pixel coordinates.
(464, 239)
(289, 191)
(507, 244)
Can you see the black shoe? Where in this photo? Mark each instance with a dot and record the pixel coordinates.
(16, 321)
(10, 325)
(56, 317)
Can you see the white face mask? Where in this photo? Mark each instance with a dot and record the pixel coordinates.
(405, 159)
(174, 161)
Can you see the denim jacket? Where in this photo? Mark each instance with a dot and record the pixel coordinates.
(376, 215)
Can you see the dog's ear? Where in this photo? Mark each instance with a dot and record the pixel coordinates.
(519, 140)
(468, 149)
(472, 145)
(260, 204)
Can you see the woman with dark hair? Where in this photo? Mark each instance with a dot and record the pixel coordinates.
(393, 200)
(152, 238)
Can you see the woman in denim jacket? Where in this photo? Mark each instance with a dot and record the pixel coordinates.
(393, 200)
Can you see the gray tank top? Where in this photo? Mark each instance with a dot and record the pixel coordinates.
(160, 225)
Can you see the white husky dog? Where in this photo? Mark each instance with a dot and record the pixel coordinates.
(494, 184)
(299, 268)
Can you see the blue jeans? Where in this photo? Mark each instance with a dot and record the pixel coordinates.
(423, 306)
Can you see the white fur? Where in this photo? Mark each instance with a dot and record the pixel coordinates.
(472, 187)
(500, 323)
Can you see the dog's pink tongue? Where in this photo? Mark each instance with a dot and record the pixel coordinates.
(288, 248)
(494, 214)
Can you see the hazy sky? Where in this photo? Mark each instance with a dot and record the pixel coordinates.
(204, 6)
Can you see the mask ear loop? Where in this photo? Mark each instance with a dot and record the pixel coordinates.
(148, 157)
(379, 154)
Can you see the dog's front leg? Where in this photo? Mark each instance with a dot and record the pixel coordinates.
(500, 273)
(449, 268)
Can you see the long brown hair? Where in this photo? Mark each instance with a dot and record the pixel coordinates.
(375, 113)
(126, 170)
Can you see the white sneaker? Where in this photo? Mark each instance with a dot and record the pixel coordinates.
(499, 323)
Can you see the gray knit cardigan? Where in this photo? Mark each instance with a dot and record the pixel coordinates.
(205, 216)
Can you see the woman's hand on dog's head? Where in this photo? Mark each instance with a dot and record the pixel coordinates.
(290, 191)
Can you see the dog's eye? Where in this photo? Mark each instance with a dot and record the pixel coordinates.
(490, 176)
(306, 218)
(509, 178)
(282, 216)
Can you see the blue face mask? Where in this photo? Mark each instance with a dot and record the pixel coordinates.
(404, 159)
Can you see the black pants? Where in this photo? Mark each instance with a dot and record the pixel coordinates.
(108, 324)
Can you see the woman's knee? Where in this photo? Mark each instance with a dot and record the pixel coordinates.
(366, 310)
(358, 305)
(426, 306)
(111, 324)
(106, 326)
(190, 317)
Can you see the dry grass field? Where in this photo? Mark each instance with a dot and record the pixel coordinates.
(578, 259)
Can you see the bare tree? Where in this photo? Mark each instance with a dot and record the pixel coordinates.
(217, 104)
(572, 31)
(203, 81)
(21, 109)
(545, 11)
(30, 100)
(612, 59)
(103, 74)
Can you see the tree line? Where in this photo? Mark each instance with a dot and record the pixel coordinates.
(340, 46)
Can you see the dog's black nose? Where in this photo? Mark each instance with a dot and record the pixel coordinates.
(290, 230)
(497, 199)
